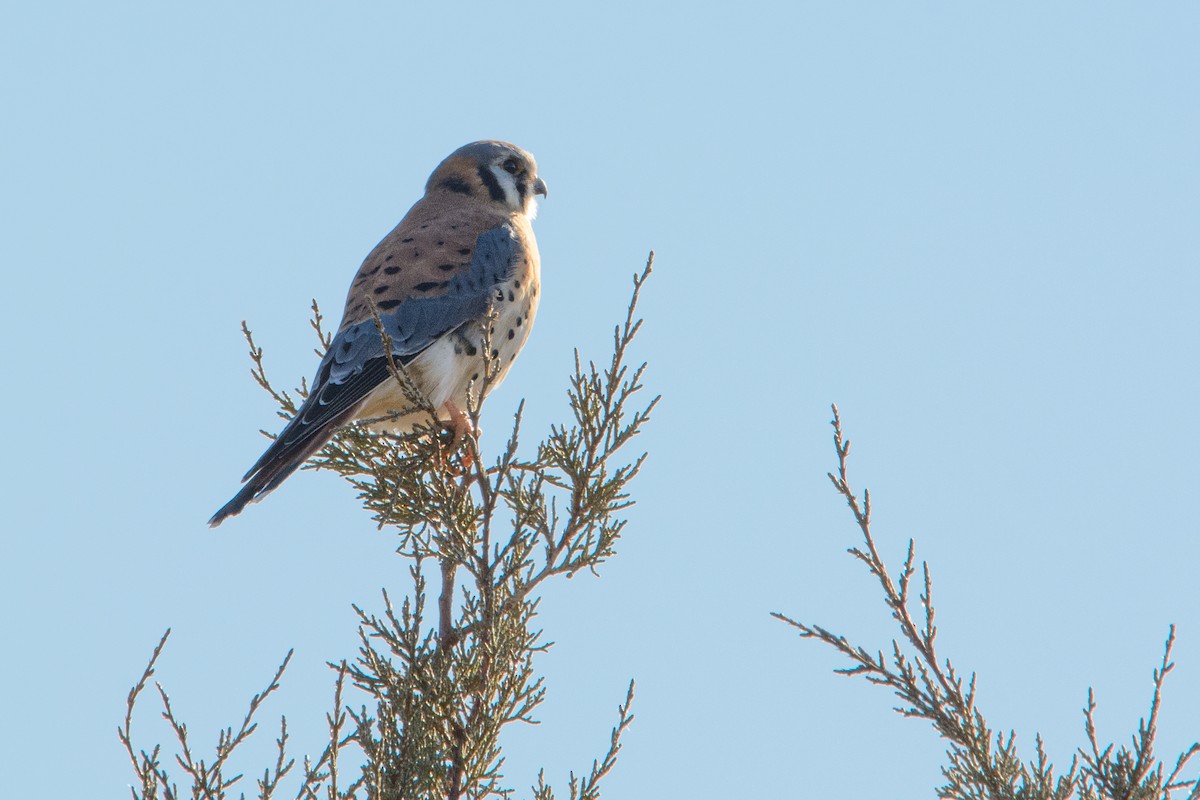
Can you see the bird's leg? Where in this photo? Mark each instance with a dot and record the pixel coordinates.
(460, 427)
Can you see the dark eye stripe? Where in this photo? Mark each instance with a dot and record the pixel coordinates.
(493, 186)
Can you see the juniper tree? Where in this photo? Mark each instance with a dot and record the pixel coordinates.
(447, 663)
(983, 764)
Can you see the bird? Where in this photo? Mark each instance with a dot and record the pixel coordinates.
(460, 271)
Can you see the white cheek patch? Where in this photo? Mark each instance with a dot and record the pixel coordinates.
(531, 209)
(511, 195)
(512, 198)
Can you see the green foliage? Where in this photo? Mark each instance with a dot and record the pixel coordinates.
(981, 763)
(442, 678)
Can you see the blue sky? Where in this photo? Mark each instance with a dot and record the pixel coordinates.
(975, 229)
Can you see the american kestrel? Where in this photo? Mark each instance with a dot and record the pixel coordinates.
(464, 252)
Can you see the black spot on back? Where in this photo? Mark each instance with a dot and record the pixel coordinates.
(427, 286)
(391, 270)
(447, 267)
(464, 251)
(387, 305)
(381, 289)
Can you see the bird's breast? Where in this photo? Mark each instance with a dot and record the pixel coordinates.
(454, 366)
(513, 308)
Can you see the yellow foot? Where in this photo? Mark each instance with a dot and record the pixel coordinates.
(459, 427)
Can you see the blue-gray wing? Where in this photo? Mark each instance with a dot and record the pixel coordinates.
(355, 362)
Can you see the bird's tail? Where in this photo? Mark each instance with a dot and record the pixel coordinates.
(285, 455)
(263, 481)
(328, 406)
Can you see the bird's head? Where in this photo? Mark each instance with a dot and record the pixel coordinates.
(493, 172)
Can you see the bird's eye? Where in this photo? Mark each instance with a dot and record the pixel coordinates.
(511, 166)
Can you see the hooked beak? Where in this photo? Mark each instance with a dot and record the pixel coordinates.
(539, 187)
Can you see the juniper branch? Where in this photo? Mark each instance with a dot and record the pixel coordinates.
(981, 763)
